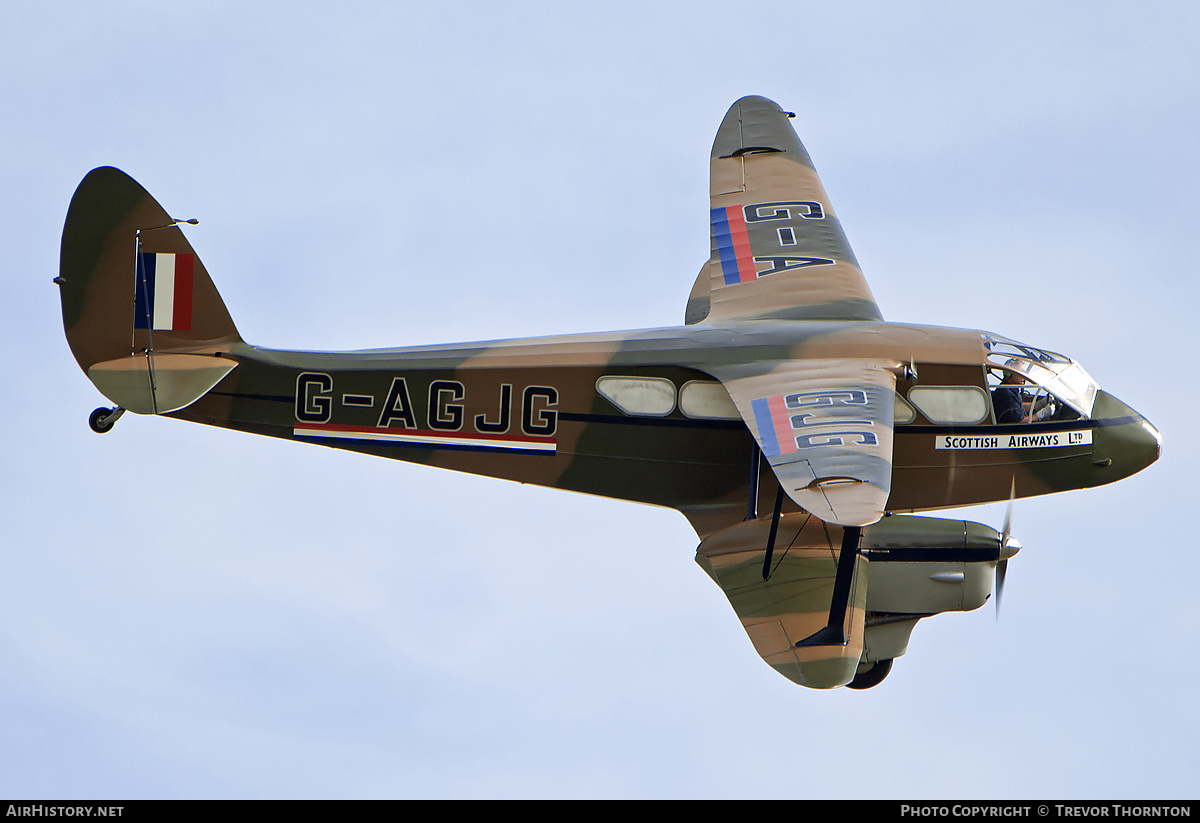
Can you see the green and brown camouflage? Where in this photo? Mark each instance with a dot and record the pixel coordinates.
(917, 566)
(784, 353)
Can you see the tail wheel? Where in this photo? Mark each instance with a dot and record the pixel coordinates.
(872, 676)
(101, 420)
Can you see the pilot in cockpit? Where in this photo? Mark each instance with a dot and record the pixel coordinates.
(1008, 401)
(1012, 403)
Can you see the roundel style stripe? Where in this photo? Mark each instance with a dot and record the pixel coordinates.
(164, 291)
(425, 438)
(825, 427)
(731, 244)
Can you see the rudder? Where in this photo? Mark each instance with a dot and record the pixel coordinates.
(142, 317)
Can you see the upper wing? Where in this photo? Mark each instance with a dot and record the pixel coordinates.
(778, 250)
(825, 427)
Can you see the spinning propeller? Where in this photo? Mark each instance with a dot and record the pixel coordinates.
(1009, 546)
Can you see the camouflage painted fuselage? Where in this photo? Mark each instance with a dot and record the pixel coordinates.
(529, 410)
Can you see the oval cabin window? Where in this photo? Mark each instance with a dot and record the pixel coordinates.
(707, 400)
(640, 396)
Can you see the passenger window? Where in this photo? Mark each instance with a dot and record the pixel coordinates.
(707, 400)
(641, 396)
(958, 405)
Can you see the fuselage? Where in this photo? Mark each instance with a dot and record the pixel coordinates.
(639, 416)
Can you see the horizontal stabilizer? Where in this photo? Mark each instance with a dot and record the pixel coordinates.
(158, 383)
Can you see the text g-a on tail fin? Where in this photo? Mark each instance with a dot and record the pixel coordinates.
(142, 317)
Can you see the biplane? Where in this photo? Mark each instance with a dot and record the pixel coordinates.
(794, 428)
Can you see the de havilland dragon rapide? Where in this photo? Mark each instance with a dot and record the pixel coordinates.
(794, 428)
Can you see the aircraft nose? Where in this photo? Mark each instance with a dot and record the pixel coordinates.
(1125, 442)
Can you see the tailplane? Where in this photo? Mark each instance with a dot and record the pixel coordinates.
(141, 314)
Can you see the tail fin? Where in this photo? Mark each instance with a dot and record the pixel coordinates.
(142, 317)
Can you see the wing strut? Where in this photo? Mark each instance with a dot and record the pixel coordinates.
(771, 537)
(755, 465)
(834, 633)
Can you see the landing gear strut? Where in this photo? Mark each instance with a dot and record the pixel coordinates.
(102, 419)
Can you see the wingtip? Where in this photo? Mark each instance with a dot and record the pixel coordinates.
(758, 122)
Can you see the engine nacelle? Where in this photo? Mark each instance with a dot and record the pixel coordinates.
(926, 565)
(920, 566)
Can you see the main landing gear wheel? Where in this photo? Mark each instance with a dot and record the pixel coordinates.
(101, 420)
(872, 676)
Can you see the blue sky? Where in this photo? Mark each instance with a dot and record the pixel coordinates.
(187, 612)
